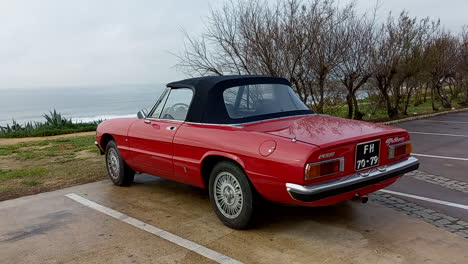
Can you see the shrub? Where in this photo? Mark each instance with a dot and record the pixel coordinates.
(55, 124)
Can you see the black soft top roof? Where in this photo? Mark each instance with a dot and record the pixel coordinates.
(208, 104)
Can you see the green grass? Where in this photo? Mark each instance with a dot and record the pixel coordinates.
(30, 183)
(380, 113)
(39, 166)
(65, 148)
(21, 173)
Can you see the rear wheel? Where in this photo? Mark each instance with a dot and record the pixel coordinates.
(231, 195)
(119, 173)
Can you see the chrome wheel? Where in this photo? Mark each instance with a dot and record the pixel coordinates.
(228, 195)
(113, 164)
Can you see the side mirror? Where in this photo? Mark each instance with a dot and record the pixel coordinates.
(142, 114)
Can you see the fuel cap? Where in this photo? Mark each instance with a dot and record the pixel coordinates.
(267, 148)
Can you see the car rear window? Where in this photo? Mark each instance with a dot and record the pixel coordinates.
(261, 99)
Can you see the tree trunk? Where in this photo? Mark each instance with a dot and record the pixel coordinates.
(407, 101)
(321, 85)
(445, 102)
(465, 83)
(357, 114)
(349, 101)
(425, 92)
(434, 108)
(348, 83)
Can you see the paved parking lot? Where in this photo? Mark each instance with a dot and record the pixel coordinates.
(441, 145)
(420, 219)
(52, 228)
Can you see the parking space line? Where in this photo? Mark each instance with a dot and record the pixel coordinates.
(442, 121)
(438, 157)
(461, 206)
(437, 134)
(192, 246)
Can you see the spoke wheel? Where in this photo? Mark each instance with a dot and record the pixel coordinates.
(119, 172)
(231, 195)
(113, 164)
(228, 195)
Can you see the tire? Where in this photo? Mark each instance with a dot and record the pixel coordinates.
(231, 195)
(119, 172)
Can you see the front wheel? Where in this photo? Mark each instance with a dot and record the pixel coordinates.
(119, 172)
(231, 195)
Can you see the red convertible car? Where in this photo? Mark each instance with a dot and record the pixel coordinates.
(250, 137)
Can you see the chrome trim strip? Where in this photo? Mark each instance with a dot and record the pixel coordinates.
(239, 125)
(212, 124)
(159, 120)
(354, 178)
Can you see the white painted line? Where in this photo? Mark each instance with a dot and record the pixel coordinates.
(442, 121)
(438, 157)
(461, 206)
(192, 246)
(437, 134)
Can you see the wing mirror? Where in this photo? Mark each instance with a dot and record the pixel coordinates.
(142, 114)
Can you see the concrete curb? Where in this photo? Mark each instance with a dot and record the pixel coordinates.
(423, 116)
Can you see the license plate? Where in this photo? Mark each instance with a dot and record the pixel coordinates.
(367, 155)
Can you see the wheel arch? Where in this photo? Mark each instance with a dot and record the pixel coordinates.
(212, 158)
(105, 138)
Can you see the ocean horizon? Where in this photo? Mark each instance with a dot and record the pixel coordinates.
(81, 104)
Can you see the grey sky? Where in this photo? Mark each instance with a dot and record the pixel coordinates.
(89, 42)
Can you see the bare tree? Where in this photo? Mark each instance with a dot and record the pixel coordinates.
(442, 60)
(462, 68)
(302, 41)
(327, 39)
(396, 54)
(330, 51)
(356, 68)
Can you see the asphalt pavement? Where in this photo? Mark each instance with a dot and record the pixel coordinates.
(159, 221)
(422, 218)
(441, 145)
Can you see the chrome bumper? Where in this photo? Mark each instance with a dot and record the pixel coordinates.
(321, 190)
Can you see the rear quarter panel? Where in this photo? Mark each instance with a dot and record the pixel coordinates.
(194, 142)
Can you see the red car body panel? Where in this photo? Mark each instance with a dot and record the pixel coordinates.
(271, 152)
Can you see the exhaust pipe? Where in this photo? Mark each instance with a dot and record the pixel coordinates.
(360, 199)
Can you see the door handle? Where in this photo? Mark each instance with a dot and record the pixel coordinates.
(171, 128)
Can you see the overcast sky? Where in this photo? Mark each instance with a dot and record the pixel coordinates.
(50, 43)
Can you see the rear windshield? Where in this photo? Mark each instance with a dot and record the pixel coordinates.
(261, 99)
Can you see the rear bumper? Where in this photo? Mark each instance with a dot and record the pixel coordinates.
(322, 190)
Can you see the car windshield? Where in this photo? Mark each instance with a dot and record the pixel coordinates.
(261, 99)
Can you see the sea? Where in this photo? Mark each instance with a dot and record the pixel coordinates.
(79, 103)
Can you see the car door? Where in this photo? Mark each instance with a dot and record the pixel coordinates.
(151, 138)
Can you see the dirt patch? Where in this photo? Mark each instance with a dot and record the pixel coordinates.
(9, 163)
(85, 154)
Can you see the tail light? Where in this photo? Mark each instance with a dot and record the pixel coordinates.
(324, 168)
(399, 150)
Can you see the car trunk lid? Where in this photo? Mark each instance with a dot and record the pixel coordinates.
(322, 130)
